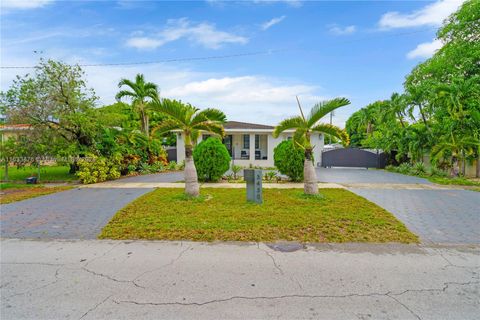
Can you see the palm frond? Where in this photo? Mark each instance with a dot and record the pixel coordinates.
(167, 125)
(333, 131)
(212, 127)
(172, 108)
(128, 83)
(194, 136)
(211, 115)
(124, 93)
(290, 123)
(321, 109)
(299, 138)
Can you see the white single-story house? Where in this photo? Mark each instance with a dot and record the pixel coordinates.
(252, 144)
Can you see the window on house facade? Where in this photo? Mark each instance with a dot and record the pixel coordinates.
(227, 141)
(257, 141)
(246, 141)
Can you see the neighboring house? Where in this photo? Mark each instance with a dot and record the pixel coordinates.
(13, 131)
(251, 144)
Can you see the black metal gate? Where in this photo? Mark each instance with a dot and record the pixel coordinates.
(353, 157)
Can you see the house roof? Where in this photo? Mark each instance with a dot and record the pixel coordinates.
(245, 125)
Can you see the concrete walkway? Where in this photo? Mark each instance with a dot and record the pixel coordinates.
(184, 280)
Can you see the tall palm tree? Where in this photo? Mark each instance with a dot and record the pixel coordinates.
(142, 94)
(190, 121)
(304, 127)
(396, 107)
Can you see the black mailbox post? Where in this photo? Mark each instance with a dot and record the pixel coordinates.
(253, 177)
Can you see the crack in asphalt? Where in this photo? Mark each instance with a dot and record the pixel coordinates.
(404, 306)
(450, 264)
(272, 258)
(389, 294)
(106, 276)
(33, 263)
(174, 260)
(140, 275)
(103, 255)
(40, 287)
(94, 307)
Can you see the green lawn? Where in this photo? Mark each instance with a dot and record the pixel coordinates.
(47, 173)
(10, 192)
(223, 214)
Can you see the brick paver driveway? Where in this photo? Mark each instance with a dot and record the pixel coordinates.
(74, 214)
(437, 216)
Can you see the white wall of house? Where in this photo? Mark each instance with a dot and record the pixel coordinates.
(266, 146)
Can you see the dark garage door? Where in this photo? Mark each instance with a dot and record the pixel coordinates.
(353, 157)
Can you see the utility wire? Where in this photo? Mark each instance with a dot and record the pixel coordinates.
(219, 57)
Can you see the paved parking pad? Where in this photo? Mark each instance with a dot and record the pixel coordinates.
(439, 216)
(79, 213)
(360, 175)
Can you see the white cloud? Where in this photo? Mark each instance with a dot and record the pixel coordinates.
(204, 34)
(249, 98)
(340, 31)
(272, 22)
(425, 50)
(432, 15)
(144, 43)
(24, 4)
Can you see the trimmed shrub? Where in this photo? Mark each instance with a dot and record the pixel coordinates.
(289, 160)
(211, 159)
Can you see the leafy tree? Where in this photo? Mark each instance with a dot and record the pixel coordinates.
(190, 121)
(54, 97)
(212, 159)
(142, 94)
(289, 160)
(304, 126)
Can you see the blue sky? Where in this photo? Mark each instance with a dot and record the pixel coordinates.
(317, 50)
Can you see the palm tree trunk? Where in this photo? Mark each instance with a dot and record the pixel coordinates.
(455, 167)
(144, 122)
(191, 179)
(310, 184)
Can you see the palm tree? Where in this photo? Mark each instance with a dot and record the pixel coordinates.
(396, 107)
(190, 121)
(142, 94)
(458, 149)
(304, 127)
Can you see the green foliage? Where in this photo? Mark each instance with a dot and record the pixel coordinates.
(55, 99)
(433, 171)
(235, 170)
(270, 175)
(404, 168)
(289, 160)
(98, 169)
(212, 159)
(418, 169)
(439, 112)
(172, 165)
(142, 94)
